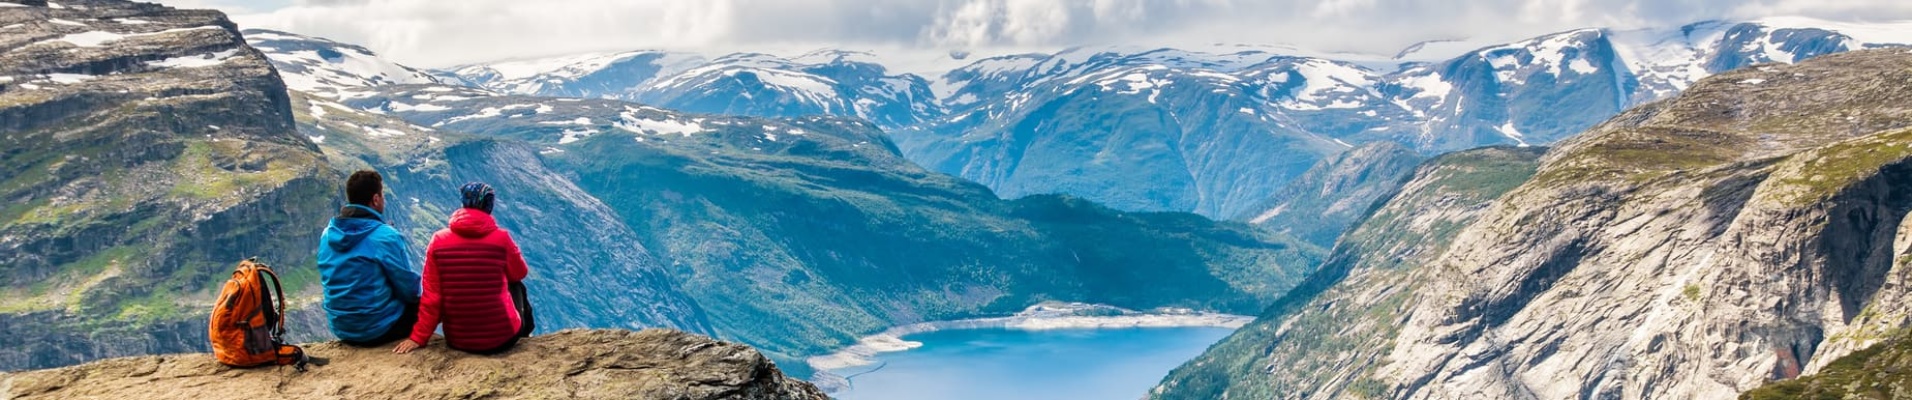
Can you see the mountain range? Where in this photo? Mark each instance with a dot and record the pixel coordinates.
(1659, 213)
(1214, 131)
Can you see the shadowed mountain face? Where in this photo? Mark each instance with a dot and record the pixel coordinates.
(1742, 232)
(581, 254)
(1331, 196)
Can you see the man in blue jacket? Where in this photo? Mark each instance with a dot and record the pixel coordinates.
(371, 291)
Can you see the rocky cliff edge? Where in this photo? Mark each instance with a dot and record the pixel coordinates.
(585, 364)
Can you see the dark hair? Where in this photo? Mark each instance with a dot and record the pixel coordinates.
(363, 184)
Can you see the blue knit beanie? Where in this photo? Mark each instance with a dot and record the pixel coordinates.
(477, 195)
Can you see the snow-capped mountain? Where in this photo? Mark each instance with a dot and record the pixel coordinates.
(324, 67)
(1103, 123)
(1214, 131)
(829, 82)
(1163, 130)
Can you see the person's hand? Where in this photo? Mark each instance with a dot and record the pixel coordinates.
(406, 346)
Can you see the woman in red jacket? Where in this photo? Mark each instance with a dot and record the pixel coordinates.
(473, 283)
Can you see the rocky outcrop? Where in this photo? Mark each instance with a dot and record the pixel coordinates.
(1749, 230)
(138, 144)
(582, 364)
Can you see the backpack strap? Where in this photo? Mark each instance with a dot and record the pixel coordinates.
(277, 292)
(299, 360)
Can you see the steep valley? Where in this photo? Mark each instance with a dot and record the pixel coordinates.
(800, 235)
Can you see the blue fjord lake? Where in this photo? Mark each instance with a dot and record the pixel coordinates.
(1006, 364)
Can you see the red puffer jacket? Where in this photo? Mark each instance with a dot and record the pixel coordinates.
(466, 270)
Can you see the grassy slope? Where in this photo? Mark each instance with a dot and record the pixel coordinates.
(1880, 372)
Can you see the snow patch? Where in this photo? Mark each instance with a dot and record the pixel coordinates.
(380, 132)
(1580, 65)
(575, 135)
(426, 107)
(98, 38)
(579, 121)
(631, 122)
(1326, 84)
(330, 77)
(195, 61)
(68, 79)
(91, 38)
(1508, 130)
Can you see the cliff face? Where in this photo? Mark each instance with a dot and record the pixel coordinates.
(595, 364)
(136, 143)
(1746, 231)
(1689, 249)
(1325, 337)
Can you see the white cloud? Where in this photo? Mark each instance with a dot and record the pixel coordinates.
(442, 33)
(432, 32)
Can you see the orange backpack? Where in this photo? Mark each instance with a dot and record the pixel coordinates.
(247, 330)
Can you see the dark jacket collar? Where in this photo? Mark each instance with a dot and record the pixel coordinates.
(358, 211)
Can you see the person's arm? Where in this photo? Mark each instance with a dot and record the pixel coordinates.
(397, 259)
(515, 269)
(428, 307)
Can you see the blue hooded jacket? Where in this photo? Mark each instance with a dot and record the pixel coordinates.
(366, 269)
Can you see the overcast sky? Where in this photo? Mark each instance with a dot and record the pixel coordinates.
(440, 33)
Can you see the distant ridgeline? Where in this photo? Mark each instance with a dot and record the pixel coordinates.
(149, 149)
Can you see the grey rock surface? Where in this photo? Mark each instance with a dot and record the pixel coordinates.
(1746, 231)
(579, 364)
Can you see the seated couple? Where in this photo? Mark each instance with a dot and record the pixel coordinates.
(472, 283)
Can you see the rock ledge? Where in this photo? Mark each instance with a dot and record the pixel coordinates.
(652, 364)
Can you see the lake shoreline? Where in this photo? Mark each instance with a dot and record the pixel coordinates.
(1044, 316)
